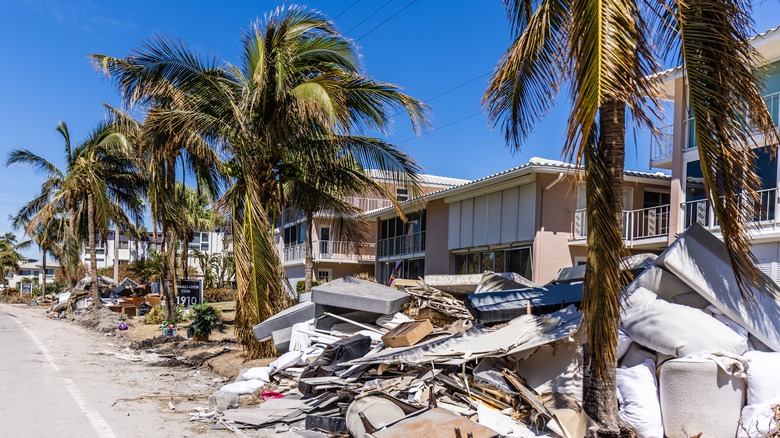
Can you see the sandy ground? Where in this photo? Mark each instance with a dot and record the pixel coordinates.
(116, 373)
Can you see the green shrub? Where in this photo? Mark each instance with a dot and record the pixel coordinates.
(300, 287)
(204, 319)
(157, 315)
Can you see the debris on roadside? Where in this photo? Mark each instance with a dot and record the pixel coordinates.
(458, 356)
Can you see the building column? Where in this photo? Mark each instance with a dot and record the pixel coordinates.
(676, 194)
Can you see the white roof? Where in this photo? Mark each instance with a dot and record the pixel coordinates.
(425, 179)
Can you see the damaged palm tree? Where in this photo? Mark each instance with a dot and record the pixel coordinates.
(603, 51)
(299, 79)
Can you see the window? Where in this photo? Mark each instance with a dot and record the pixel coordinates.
(124, 244)
(401, 194)
(295, 234)
(324, 275)
(506, 260)
(408, 269)
(397, 237)
(325, 240)
(200, 241)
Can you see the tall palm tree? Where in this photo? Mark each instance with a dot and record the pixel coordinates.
(603, 51)
(299, 79)
(101, 184)
(68, 207)
(47, 235)
(193, 214)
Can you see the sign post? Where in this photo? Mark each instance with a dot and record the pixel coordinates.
(189, 292)
(25, 288)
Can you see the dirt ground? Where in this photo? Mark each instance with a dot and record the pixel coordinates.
(221, 353)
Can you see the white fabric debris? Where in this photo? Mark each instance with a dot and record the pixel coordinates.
(763, 377)
(624, 341)
(392, 321)
(638, 399)
(675, 329)
(759, 420)
(299, 338)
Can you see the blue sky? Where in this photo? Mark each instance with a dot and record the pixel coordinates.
(428, 47)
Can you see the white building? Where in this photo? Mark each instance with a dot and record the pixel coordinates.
(33, 271)
(125, 249)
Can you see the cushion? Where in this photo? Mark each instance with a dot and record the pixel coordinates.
(638, 398)
(697, 397)
(763, 374)
(675, 329)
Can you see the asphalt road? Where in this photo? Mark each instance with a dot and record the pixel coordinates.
(58, 379)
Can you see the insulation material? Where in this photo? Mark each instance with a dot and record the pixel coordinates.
(554, 371)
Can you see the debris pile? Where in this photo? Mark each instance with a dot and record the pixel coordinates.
(504, 357)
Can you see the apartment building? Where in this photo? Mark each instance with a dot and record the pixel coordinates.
(122, 249)
(529, 219)
(32, 270)
(676, 151)
(334, 255)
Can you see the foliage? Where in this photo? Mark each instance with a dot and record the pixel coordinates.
(158, 314)
(125, 271)
(219, 295)
(365, 276)
(602, 52)
(56, 287)
(204, 318)
(295, 103)
(10, 255)
(146, 269)
(300, 286)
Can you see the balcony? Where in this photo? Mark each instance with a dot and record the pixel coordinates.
(368, 204)
(402, 245)
(331, 250)
(661, 148)
(701, 212)
(639, 225)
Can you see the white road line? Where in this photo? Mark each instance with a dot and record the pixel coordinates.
(95, 419)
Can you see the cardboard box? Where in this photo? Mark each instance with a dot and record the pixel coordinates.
(407, 333)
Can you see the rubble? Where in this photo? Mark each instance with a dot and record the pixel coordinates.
(502, 357)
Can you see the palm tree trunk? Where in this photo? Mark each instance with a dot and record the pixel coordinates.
(165, 272)
(601, 295)
(69, 246)
(92, 252)
(185, 259)
(43, 267)
(116, 254)
(309, 258)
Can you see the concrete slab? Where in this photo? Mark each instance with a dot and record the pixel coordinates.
(286, 318)
(355, 294)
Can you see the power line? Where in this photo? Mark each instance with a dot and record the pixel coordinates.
(443, 126)
(345, 10)
(386, 20)
(371, 15)
(448, 91)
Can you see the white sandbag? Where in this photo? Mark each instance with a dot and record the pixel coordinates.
(758, 421)
(287, 360)
(624, 341)
(258, 373)
(763, 377)
(675, 329)
(392, 321)
(638, 399)
(243, 387)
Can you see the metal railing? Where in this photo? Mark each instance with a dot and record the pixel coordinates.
(331, 250)
(643, 223)
(367, 204)
(400, 245)
(701, 212)
(661, 148)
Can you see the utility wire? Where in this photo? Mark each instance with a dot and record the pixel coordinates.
(442, 127)
(345, 10)
(371, 15)
(386, 20)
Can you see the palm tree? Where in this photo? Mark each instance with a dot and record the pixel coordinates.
(68, 207)
(101, 184)
(193, 214)
(48, 237)
(299, 79)
(603, 51)
(10, 256)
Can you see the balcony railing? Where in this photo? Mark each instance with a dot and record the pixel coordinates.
(400, 245)
(331, 250)
(367, 204)
(639, 224)
(764, 212)
(661, 148)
